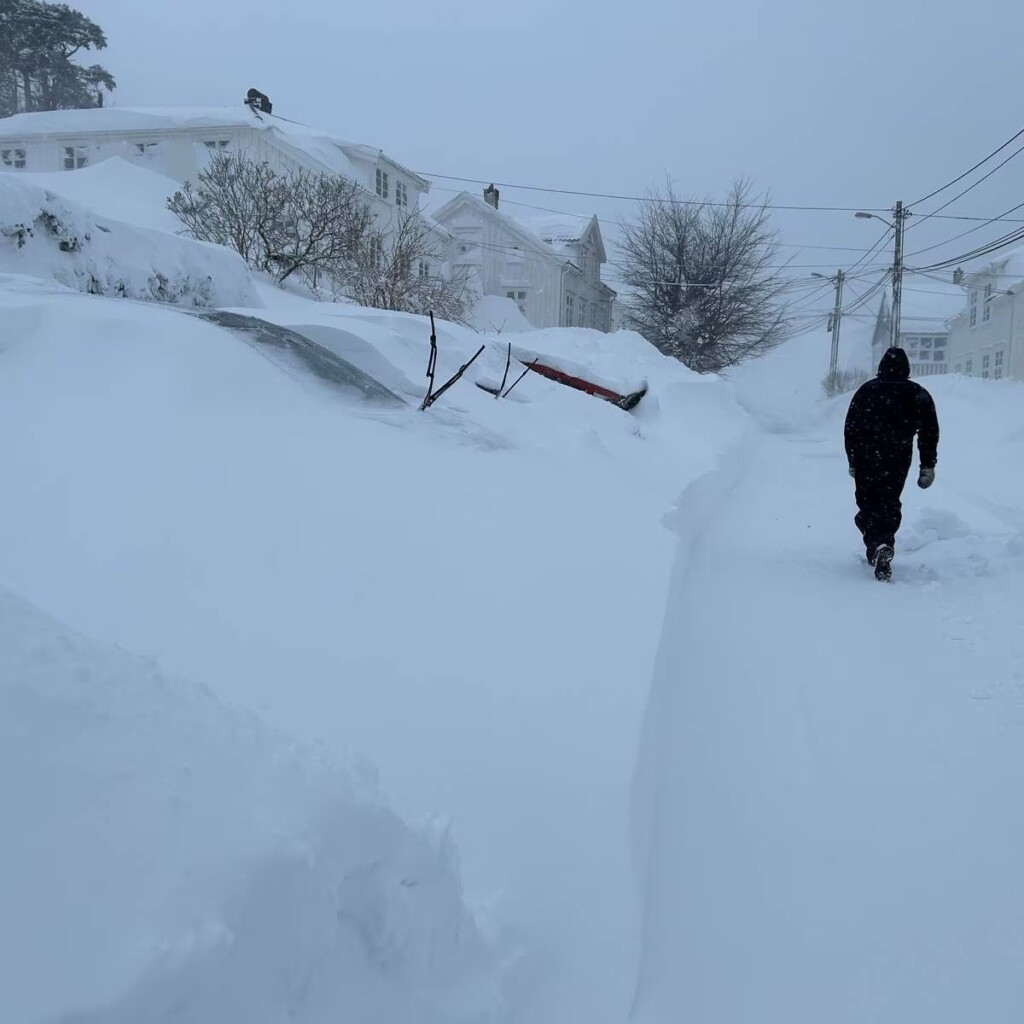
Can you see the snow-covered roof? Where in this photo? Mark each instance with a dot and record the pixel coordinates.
(553, 227)
(535, 242)
(333, 152)
(548, 234)
(1007, 268)
(562, 231)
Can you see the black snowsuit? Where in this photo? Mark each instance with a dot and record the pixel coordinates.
(883, 418)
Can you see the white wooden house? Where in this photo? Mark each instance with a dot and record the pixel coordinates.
(987, 336)
(179, 142)
(549, 265)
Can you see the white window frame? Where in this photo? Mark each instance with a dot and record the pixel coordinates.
(376, 253)
(76, 157)
(986, 310)
(401, 194)
(999, 358)
(383, 183)
(215, 145)
(973, 308)
(518, 296)
(570, 309)
(424, 269)
(14, 157)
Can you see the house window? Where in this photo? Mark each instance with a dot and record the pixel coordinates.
(376, 253)
(213, 144)
(939, 357)
(424, 269)
(986, 309)
(519, 298)
(974, 309)
(985, 362)
(401, 194)
(984, 374)
(959, 367)
(570, 309)
(969, 366)
(13, 158)
(999, 373)
(75, 157)
(999, 358)
(144, 147)
(382, 183)
(583, 313)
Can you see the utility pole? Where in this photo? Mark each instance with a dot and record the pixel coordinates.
(837, 313)
(897, 274)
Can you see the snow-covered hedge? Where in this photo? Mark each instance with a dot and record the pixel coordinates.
(47, 236)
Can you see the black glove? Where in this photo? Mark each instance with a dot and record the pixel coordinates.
(926, 477)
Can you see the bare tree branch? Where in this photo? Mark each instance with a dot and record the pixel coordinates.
(701, 279)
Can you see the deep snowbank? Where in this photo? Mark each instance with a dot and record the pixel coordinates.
(116, 189)
(166, 859)
(48, 236)
(470, 597)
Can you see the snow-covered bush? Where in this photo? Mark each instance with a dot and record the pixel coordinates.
(838, 382)
(44, 235)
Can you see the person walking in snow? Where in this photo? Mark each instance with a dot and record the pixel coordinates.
(884, 415)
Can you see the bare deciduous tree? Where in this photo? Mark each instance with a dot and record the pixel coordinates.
(395, 272)
(235, 203)
(702, 278)
(313, 225)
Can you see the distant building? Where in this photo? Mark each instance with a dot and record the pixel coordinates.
(987, 336)
(549, 265)
(924, 330)
(179, 143)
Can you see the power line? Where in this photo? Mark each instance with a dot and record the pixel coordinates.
(647, 199)
(974, 185)
(687, 202)
(1011, 238)
(970, 170)
(969, 231)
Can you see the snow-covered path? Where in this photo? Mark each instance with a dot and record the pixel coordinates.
(829, 823)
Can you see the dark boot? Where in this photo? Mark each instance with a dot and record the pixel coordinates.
(883, 562)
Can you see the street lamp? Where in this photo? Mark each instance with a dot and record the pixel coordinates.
(873, 216)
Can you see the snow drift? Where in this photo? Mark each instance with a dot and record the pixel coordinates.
(48, 236)
(168, 859)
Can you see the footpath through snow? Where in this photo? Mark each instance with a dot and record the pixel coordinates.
(828, 817)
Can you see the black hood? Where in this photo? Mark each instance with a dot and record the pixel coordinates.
(894, 365)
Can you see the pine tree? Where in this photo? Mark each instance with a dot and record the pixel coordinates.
(38, 44)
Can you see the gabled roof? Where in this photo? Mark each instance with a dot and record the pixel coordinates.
(551, 236)
(562, 231)
(532, 242)
(330, 151)
(1007, 268)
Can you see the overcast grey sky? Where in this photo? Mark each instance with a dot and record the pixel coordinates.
(852, 104)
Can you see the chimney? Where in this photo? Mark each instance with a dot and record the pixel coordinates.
(491, 196)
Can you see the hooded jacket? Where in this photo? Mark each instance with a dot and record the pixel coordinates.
(886, 413)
